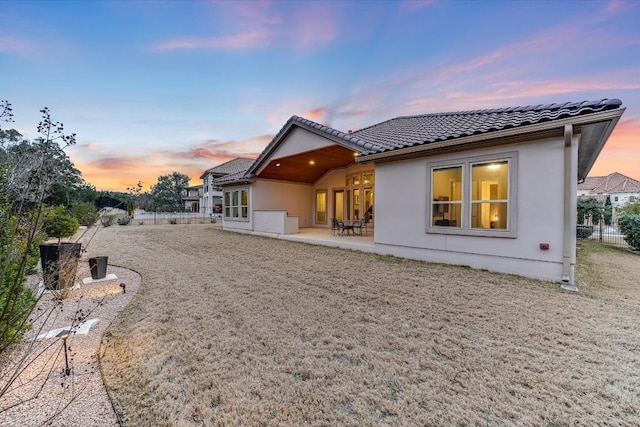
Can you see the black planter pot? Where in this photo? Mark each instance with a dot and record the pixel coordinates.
(59, 264)
(98, 266)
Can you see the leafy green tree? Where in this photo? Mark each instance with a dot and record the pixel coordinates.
(85, 212)
(168, 191)
(608, 211)
(630, 227)
(589, 208)
(632, 207)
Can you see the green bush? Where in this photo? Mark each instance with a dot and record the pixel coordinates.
(58, 223)
(86, 213)
(125, 220)
(630, 228)
(16, 300)
(584, 231)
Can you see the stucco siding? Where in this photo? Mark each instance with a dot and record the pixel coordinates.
(296, 199)
(299, 141)
(403, 202)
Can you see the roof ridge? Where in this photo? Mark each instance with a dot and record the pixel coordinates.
(601, 104)
(347, 137)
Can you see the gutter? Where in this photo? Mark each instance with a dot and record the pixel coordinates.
(568, 244)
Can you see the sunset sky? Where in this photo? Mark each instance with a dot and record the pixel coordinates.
(155, 87)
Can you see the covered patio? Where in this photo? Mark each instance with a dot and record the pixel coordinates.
(325, 237)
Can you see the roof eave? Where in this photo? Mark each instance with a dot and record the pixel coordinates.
(282, 135)
(612, 116)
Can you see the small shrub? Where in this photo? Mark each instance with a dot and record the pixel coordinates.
(125, 220)
(584, 231)
(630, 228)
(58, 223)
(173, 221)
(141, 222)
(107, 220)
(86, 213)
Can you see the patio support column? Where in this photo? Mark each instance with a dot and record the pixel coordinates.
(570, 189)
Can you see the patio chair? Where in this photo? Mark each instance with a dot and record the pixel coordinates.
(334, 227)
(357, 227)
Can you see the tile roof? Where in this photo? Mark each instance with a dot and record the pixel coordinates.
(422, 130)
(232, 177)
(407, 131)
(612, 183)
(236, 165)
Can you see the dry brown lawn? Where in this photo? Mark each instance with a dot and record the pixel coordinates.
(231, 329)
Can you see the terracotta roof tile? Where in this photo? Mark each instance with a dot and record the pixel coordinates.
(612, 183)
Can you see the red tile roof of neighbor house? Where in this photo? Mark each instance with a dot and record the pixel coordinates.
(392, 136)
(613, 183)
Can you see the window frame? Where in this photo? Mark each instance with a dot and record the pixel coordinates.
(467, 163)
(235, 209)
(326, 206)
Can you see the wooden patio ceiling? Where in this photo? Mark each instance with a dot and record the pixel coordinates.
(309, 166)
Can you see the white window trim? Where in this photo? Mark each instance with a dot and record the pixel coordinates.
(465, 229)
(239, 206)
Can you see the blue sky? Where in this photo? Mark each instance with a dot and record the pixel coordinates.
(156, 87)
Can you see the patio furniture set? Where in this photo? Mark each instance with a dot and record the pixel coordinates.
(348, 227)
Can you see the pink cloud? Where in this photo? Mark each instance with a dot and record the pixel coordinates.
(259, 24)
(312, 26)
(16, 46)
(243, 41)
(316, 114)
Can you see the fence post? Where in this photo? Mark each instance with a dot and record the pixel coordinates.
(601, 224)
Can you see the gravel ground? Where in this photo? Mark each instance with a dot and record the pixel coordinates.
(43, 387)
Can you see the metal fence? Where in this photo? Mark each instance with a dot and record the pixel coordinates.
(606, 234)
(158, 218)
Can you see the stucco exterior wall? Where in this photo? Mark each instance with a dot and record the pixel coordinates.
(402, 203)
(295, 199)
(299, 141)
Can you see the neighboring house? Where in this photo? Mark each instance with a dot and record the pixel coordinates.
(212, 194)
(493, 189)
(192, 198)
(615, 185)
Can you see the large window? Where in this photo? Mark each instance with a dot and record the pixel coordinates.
(236, 204)
(473, 196)
(359, 196)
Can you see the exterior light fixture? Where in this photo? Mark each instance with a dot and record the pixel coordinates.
(312, 162)
(277, 165)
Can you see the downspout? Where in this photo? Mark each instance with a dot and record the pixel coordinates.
(568, 251)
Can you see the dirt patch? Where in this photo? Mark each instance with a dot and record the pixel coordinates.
(235, 329)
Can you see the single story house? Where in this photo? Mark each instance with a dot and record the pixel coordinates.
(620, 188)
(492, 189)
